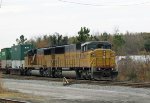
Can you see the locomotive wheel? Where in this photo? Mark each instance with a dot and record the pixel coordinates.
(83, 75)
(89, 76)
(78, 74)
(86, 75)
(22, 72)
(27, 72)
(47, 73)
(58, 73)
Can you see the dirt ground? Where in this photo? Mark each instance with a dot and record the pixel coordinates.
(54, 92)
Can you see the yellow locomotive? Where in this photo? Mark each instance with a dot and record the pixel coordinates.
(90, 60)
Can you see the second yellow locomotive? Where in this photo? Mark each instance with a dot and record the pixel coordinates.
(90, 60)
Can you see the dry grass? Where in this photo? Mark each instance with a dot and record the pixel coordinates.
(20, 96)
(134, 71)
(2, 89)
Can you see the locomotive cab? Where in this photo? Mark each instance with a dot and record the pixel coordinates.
(102, 58)
(95, 45)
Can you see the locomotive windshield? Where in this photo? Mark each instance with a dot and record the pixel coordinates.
(95, 45)
(99, 45)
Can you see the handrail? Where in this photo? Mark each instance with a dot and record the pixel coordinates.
(92, 67)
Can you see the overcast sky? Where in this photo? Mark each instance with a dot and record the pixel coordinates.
(36, 17)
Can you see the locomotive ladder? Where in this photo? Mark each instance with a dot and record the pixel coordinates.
(92, 67)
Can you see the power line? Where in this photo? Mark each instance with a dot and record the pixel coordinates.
(89, 4)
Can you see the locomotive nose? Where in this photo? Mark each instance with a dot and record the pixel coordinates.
(103, 58)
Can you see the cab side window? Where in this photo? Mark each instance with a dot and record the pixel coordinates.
(84, 48)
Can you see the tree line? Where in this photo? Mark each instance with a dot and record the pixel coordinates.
(122, 43)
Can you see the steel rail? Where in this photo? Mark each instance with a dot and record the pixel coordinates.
(91, 82)
(4, 100)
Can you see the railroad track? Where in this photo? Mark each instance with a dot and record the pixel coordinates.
(135, 85)
(118, 83)
(91, 82)
(3, 100)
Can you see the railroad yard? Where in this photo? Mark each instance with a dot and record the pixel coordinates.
(74, 51)
(50, 90)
